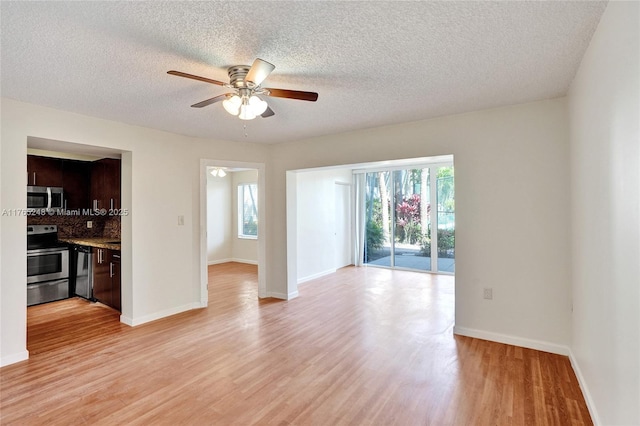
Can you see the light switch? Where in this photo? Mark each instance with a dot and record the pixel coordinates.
(89, 224)
(180, 220)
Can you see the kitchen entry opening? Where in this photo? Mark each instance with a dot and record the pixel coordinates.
(407, 218)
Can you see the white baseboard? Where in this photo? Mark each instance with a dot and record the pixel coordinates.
(538, 345)
(232, 259)
(282, 296)
(250, 262)
(218, 261)
(13, 358)
(314, 276)
(158, 315)
(585, 390)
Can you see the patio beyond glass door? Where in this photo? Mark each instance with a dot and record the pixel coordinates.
(399, 220)
(411, 221)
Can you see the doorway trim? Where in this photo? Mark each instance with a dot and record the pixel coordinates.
(204, 164)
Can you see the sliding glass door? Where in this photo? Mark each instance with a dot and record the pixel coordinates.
(411, 221)
(377, 247)
(399, 221)
(446, 219)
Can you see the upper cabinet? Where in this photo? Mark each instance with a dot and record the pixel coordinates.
(44, 171)
(105, 184)
(76, 176)
(86, 184)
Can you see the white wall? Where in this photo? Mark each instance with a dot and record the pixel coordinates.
(219, 234)
(512, 205)
(163, 183)
(605, 187)
(511, 199)
(242, 249)
(316, 221)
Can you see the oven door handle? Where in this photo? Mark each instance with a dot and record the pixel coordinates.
(48, 198)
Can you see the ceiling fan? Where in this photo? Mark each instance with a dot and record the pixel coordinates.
(245, 101)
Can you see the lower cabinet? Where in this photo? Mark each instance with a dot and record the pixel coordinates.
(106, 277)
(115, 281)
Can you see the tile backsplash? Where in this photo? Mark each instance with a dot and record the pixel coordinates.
(76, 226)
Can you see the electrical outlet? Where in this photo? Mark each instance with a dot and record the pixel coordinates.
(89, 224)
(488, 293)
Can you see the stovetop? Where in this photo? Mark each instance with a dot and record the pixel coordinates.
(43, 236)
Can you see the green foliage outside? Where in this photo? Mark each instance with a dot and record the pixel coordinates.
(375, 238)
(250, 227)
(407, 227)
(446, 243)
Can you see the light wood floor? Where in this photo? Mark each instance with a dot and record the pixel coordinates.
(366, 346)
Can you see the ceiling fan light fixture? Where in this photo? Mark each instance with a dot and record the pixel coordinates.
(218, 172)
(246, 83)
(246, 111)
(251, 107)
(232, 104)
(257, 105)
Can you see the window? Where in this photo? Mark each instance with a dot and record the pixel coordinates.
(248, 210)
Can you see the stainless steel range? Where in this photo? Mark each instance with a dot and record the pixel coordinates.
(47, 265)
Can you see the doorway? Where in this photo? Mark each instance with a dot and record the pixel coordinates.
(342, 212)
(313, 215)
(232, 209)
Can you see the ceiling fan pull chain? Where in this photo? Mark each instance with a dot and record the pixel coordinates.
(244, 126)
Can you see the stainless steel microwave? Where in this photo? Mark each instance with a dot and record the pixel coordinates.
(44, 197)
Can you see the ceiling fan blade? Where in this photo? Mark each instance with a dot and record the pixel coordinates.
(211, 101)
(259, 71)
(195, 77)
(267, 113)
(293, 94)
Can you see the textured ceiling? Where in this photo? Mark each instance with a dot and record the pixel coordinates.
(373, 63)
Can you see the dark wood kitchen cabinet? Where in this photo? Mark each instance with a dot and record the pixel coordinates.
(44, 171)
(105, 184)
(106, 277)
(116, 294)
(76, 176)
(86, 184)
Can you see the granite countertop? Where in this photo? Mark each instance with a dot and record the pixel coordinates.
(99, 242)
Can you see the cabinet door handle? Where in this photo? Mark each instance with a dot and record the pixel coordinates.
(111, 204)
(34, 178)
(110, 269)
